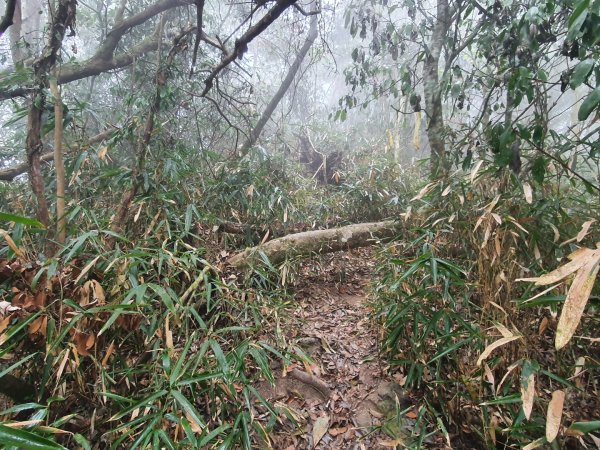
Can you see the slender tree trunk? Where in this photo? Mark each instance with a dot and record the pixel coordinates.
(34, 149)
(14, 34)
(433, 92)
(283, 88)
(59, 163)
(143, 142)
(63, 18)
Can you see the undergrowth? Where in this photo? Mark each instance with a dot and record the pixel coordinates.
(462, 331)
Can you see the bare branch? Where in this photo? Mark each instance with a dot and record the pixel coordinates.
(13, 172)
(7, 20)
(241, 44)
(306, 13)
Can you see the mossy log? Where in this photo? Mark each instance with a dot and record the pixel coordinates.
(317, 242)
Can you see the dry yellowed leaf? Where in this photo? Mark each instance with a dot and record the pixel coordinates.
(584, 261)
(63, 363)
(510, 368)
(554, 415)
(335, 431)
(12, 244)
(36, 325)
(392, 444)
(87, 268)
(24, 423)
(4, 322)
(528, 394)
(423, 191)
(537, 253)
(168, 335)
(195, 426)
(109, 352)
(579, 364)
(320, 427)
(556, 275)
(489, 376)
(476, 168)
(528, 193)
(250, 191)
(102, 152)
(585, 228)
(543, 326)
(493, 346)
(577, 298)
(505, 332)
(535, 444)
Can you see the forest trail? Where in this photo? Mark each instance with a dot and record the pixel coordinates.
(343, 398)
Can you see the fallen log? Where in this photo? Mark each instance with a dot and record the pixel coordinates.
(318, 242)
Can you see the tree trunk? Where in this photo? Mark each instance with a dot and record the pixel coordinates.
(283, 88)
(317, 242)
(433, 92)
(63, 18)
(59, 165)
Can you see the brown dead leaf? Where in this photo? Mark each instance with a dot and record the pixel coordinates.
(335, 431)
(12, 244)
(543, 326)
(392, 444)
(109, 352)
(4, 323)
(39, 325)
(81, 343)
(554, 415)
(411, 414)
(320, 427)
(40, 298)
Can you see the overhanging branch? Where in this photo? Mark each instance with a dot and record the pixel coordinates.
(241, 44)
(105, 59)
(7, 20)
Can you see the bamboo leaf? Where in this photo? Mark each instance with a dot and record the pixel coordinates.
(577, 298)
(493, 346)
(26, 439)
(554, 415)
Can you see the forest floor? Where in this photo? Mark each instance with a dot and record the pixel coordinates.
(342, 397)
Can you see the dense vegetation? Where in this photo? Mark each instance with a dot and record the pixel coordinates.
(146, 143)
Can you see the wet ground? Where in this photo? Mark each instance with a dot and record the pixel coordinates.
(342, 397)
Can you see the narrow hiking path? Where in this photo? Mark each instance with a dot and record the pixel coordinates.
(344, 399)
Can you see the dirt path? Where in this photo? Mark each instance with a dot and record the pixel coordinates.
(343, 399)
